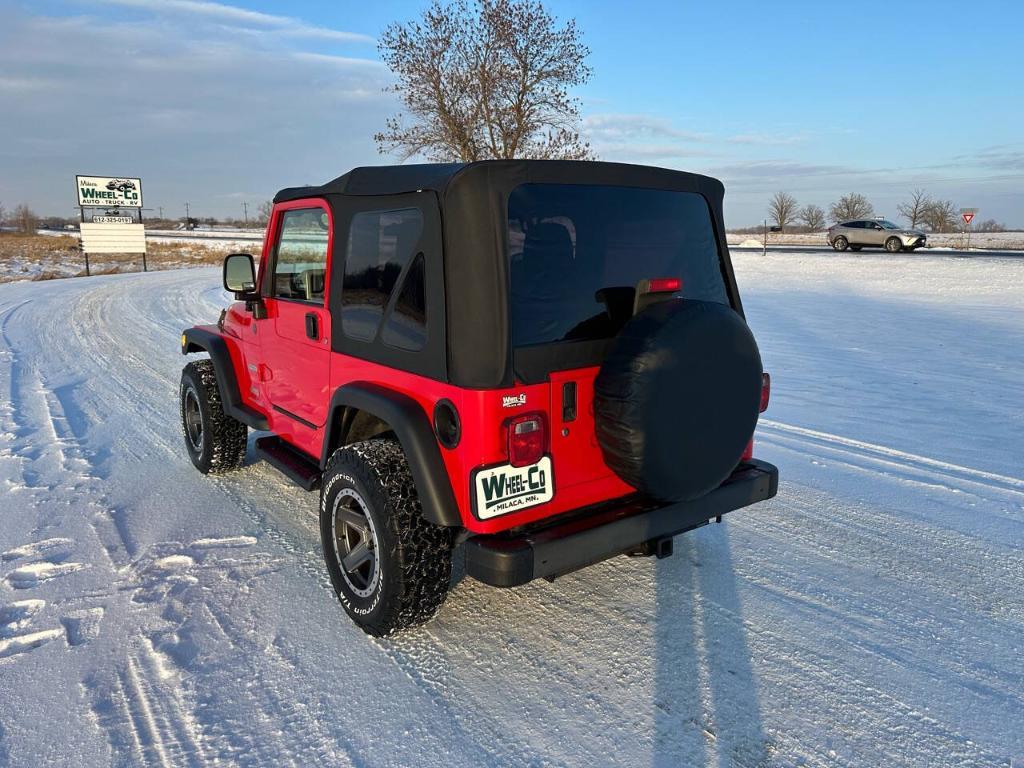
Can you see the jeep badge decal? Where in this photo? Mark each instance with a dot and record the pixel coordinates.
(513, 401)
(505, 489)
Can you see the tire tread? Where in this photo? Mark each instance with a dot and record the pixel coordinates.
(227, 437)
(422, 550)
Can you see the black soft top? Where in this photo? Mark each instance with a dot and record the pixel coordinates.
(379, 180)
(416, 177)
(473, 202)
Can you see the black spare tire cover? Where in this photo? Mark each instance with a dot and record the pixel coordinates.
(677, 399)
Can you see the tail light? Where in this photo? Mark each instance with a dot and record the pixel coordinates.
(662, 285)
(527, 439)
(766, 391)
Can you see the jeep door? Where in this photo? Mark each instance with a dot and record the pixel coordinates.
(295, 336)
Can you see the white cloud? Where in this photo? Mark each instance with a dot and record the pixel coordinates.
(340, 61)
(763, 139)
(197, 113)
(627, 127)
(285, 25)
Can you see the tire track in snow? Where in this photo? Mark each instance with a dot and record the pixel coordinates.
(144, 719)
(880, 455)
(10, 418)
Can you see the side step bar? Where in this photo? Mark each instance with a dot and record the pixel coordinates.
(293, 463)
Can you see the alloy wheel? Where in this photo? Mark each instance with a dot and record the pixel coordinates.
(193, 420)
(355, 542)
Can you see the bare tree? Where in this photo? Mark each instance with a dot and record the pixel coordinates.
(264, 211)
(3, 214)
(25, 220)
(813, 217)
(485, 79)
(783, 209)
(990, 225)
(940, 216)
(913, 210)
(851, 206)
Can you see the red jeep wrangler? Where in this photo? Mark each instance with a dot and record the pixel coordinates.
(545, 362)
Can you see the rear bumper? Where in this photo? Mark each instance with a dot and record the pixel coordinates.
(514, 558)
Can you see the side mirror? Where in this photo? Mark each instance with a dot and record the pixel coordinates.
(239, 274)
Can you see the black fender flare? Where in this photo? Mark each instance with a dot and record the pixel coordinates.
(412, 427)
(203, 340)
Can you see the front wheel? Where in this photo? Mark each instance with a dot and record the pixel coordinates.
(840, 243)
(389, 566)
(215, 442)
(894, 245)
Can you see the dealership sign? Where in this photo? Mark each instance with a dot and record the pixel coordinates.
(109, 192)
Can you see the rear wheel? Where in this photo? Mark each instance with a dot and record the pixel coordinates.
(215, 442)
(389, 566)
(894, 245)
(840, 243)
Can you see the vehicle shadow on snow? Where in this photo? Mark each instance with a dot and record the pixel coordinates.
(706, 709)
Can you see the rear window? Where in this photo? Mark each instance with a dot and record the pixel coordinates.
(577, 253)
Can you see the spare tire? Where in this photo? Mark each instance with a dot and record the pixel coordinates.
(677, 399)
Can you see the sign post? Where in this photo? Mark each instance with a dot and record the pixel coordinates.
(115, 226)
(968, 215)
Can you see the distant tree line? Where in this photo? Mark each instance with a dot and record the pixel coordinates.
(23, 219)
(919, 210)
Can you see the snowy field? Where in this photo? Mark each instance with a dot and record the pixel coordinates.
(871, 615)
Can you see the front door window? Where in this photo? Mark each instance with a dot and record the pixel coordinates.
(300, 258)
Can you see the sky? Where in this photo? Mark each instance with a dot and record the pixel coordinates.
(222, 104)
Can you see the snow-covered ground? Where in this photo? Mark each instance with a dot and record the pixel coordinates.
(871, 615)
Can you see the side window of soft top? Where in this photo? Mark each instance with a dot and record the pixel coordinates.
(384, 274)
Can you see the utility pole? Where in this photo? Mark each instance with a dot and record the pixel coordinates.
(188, 218)
(245, 209)
(161, 209)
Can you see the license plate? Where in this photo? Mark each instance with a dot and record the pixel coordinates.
(504, 489)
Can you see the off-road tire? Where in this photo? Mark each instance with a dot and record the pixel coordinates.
(840, 243)
(413, 556)
(221, 441)
(894, 245)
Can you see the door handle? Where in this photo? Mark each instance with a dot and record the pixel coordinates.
(312, 326)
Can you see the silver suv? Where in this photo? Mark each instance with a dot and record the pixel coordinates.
(874, 233)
